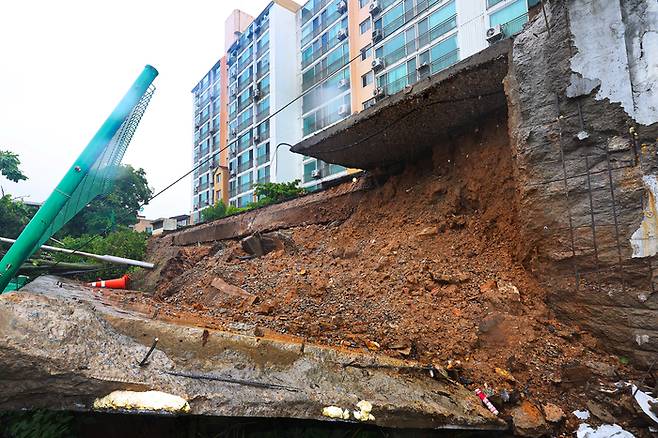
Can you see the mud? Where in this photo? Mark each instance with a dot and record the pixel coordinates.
(428, 267)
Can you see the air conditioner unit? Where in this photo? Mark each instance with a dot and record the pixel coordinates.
(256, 92)
(341, 6)
(342, 34)
(232, 173)
(316, 173)
(234, 132)
(343, 83)
(256, 138)
(495, 34)
(423, 66)
(250, 33)
(374, 7)
(257, 29)
(343, 110)
(378, 92)
(377, 64)
(232, 149)
(377, 35)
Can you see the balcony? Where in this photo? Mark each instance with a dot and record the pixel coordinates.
(244, 124)
(242, 64)
(245, 83)
(245, 187)
(245, 166)
(245, 103)
(318, 54)
(263, 179)
(307, 14)
(308, 82)
(260, 115)
(514, 26)
(262, 159)
(321, 27)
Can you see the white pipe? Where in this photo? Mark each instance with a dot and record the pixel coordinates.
(103, 258)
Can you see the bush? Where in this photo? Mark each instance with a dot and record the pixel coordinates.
(122, 243)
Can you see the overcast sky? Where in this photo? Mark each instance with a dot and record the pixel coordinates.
(65, 64)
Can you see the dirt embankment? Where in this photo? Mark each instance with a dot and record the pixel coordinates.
(426, 268)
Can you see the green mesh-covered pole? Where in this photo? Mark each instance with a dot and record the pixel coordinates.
(42, 222)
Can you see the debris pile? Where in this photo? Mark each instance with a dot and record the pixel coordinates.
(427, 268)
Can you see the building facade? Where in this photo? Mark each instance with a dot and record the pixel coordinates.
(262, 79)
(295, 70)
(413, 39)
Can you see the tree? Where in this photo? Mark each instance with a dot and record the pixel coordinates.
(271, 193)
(14, 215)
(9, 163)
(118, 208)
(213, 212)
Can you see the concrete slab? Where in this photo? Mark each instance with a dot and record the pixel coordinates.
(402, 126)
(62, 345)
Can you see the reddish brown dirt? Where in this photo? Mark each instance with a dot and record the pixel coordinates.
(426, 268)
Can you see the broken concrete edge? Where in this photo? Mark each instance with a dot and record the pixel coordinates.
(84, 348)
(336, 203)
(495, 53)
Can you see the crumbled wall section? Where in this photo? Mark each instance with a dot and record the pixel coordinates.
(583, 147)
(645, 239)
(617, 46)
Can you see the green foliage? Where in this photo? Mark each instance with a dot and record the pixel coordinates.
(37, 424)
(271, 193)
(14, 215)
(120, 207)
(9, 163)
(121, 243)
(213, 212)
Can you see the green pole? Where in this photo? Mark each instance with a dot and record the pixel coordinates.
(26, 244)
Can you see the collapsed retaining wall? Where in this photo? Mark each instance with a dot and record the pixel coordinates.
(583, 128)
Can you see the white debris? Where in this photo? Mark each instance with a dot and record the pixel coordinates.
(142, 401)
(644, 240)
(582, 415)
(604, 431)
(336, 412)
(363, 414)
(643, 399)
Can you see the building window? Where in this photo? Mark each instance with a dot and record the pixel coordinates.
(367, 79)
(363, 3)
(366, 52)
(365, 26)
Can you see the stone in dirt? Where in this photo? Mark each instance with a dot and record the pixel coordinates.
(260, 244)
(553, 413)
(528, 420)
(228, 289)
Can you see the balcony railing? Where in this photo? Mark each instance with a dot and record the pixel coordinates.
(260, 115)
(262, 159)
(420, 7)
(263, 179)
(245, 103)
(325, 72)
(321, 27)
(307, 14)
(245, 166)
(232, 192)
(246, 62)
(245, 187)
(244, 124)
(421, 41)
(244, 84)
(319, 53)
(436, 66)
(323, 122)
(262, 72)
(514, 26)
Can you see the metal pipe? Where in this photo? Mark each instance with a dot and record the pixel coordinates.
(29, 240)
(104, 258)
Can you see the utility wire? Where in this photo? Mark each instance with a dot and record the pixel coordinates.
(304, 93)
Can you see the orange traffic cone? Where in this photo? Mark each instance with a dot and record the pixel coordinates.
(116, 283)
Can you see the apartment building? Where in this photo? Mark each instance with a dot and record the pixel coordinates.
(262, 79)
(207, 138)
(210, 179)
(329, 39)
(413, 39)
